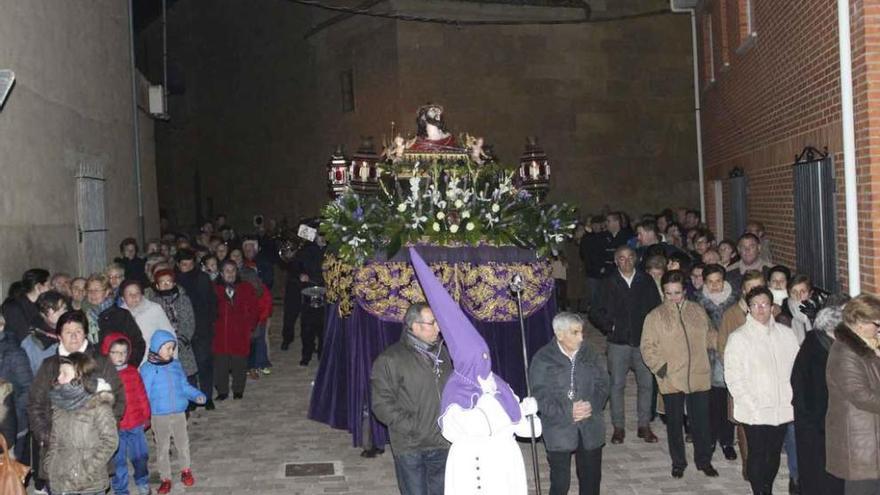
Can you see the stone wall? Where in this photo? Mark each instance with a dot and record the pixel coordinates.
(612, 103)
(71, 103)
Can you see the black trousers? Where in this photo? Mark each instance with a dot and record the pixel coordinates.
(312, 331)
(205, 362)
(589, 470)
(698, 416)
(292, 306)
(765, 448)
(814, 479)
(226, 364)
(720, 428)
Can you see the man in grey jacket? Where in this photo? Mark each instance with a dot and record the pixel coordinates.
(406, 383)
(570, 381)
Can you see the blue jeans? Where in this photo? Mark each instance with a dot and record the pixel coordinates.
(133, 447)
(259, 357)
(791, 452)
(421, 472)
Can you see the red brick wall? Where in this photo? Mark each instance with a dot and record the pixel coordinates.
(780, 93)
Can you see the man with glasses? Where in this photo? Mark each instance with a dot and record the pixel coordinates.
(406, 383)
(627, 295)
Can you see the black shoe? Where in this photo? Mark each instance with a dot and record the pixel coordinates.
(209, 406)
(688, 438)
(285, 346)
(677, 472)
(709, 471)
(237, 396)
(729, 452)
(372, 452)
(304, 362)
(793, 486)
(221, 397)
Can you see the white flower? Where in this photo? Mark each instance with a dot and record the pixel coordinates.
(401, 207)
(470, 226)
(436, 227)
(495, 208)
(459, 203)
(465, 214)
(441, 215)
(453, 228)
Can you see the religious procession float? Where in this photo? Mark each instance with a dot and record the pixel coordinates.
(476, 222)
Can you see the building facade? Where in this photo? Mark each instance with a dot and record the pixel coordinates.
(66, 140)
(770, 88)
(611, 103)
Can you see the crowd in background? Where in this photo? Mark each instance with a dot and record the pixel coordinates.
(729, 347)
(89, 364)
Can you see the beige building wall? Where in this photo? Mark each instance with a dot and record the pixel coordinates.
(71, 103)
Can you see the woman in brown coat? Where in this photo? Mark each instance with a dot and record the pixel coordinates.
(676, 338)
(852, 423)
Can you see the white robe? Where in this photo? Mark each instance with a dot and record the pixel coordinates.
(484, 457)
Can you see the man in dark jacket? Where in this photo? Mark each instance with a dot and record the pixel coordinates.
(203, 296)
(16, 369)
(73, 328)
(406, 383)
(627, 295)
(570, 382)
(592, 252)
(133, 264)
(292, 302)
(311, 258)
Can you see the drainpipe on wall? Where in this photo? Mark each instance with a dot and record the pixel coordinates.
(136, 128)
(849, 149)
(673, 6)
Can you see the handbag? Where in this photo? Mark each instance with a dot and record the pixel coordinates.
(12, 472)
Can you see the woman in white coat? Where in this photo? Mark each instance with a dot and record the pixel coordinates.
(757, 368)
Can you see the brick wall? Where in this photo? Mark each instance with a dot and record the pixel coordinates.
(779, 93)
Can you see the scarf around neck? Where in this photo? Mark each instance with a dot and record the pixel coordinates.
(154, 358)
(69, 396)
(718, 297)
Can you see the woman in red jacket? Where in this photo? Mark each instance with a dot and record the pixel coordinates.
(238, 315)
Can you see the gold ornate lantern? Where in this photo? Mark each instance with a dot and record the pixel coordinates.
(534, 169)
(338, 177)
(364, 169)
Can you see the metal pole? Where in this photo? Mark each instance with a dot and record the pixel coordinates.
(136, 131)
(522, 330)
(849, 149)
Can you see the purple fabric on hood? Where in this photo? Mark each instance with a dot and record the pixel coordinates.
(470, 353)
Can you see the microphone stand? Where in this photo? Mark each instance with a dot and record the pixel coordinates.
(516, 286)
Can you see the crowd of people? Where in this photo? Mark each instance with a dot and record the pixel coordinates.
(728, 349)
(89, 364)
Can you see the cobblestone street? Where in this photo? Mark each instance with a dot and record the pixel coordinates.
(242, 446)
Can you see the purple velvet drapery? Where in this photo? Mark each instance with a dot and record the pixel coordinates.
(341, 394)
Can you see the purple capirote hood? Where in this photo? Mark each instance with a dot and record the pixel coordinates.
(469, 351)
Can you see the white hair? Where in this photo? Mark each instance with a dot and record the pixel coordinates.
(564, 321)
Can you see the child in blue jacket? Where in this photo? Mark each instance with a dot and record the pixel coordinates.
(170, 393)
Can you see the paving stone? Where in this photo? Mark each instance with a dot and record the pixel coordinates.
(242, 447)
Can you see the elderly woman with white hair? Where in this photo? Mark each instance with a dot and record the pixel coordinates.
(810, 401)
(570, 382)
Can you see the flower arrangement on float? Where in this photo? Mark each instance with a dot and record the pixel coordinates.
(431, 190)
(448, 205)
